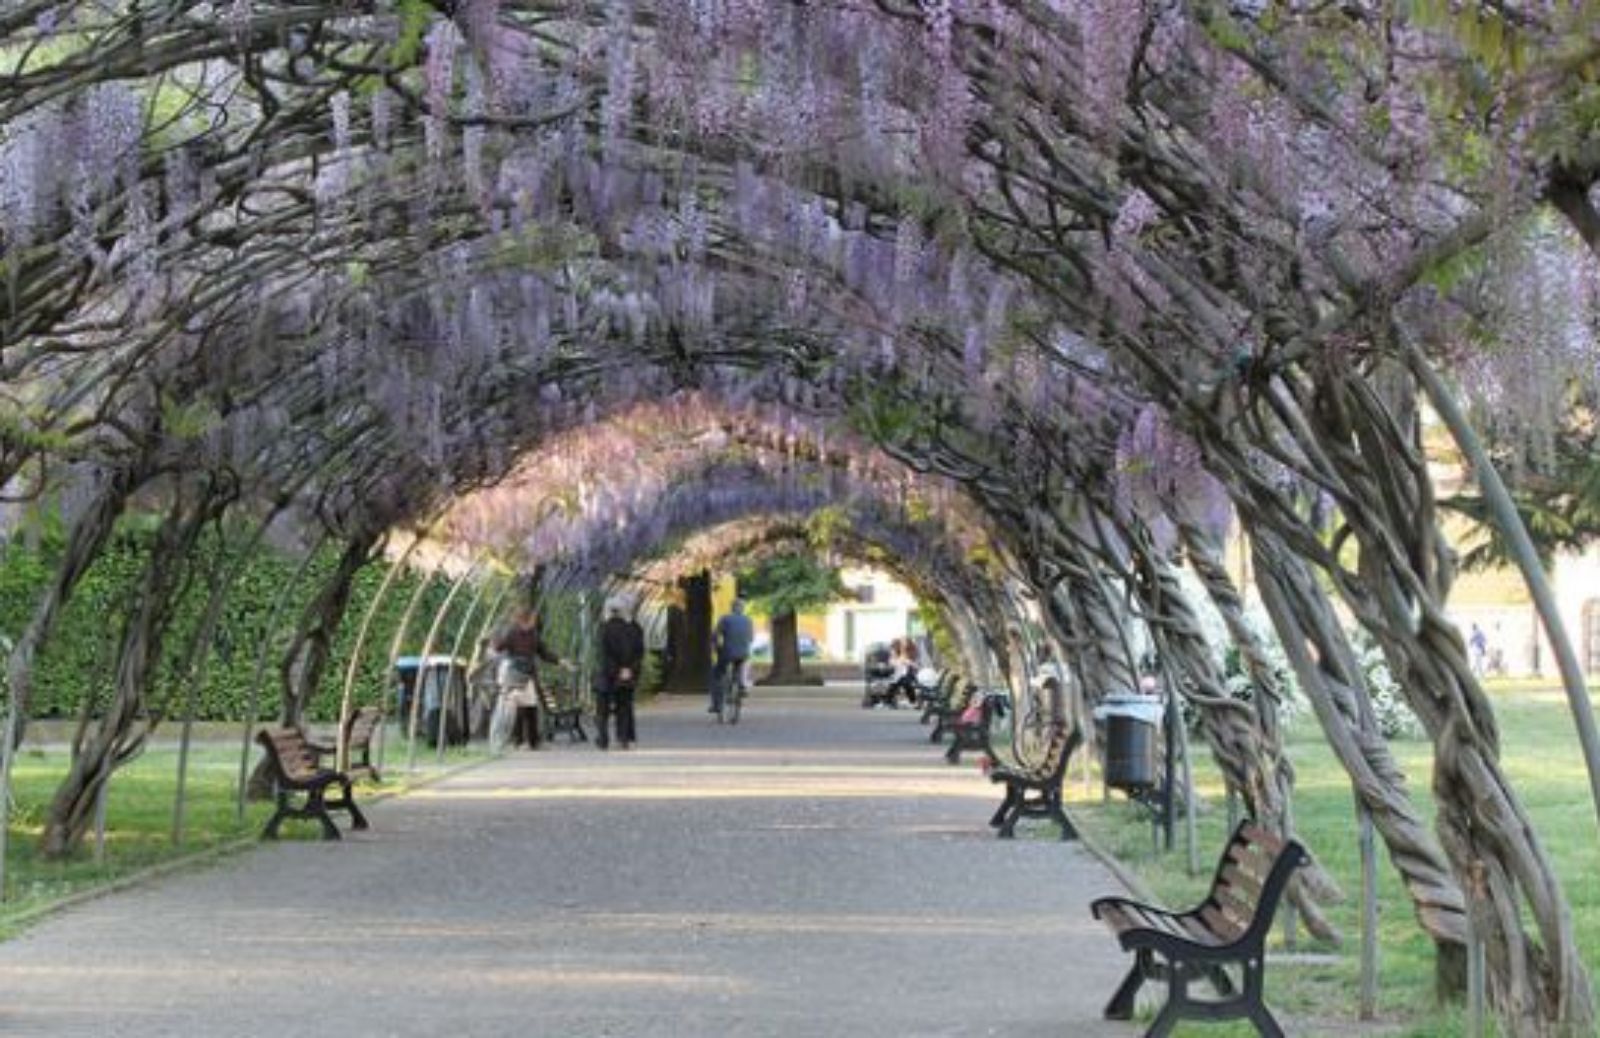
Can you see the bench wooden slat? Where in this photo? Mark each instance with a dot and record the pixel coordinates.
(1228, 928)
(1243, 882)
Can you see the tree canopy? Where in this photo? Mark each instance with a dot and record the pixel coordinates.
(789, 584)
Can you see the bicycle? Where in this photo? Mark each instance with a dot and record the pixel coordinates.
(733, 689)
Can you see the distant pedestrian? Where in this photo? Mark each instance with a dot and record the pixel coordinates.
(1478, 642)
(621, 657)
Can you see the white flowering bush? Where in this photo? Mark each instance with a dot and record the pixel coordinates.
(1227, 657)
(1396, 720)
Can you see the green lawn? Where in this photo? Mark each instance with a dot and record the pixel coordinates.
(1541, 753)
(139, 819)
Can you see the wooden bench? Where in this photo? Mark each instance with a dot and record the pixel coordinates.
(973, 734)
(561, 713)
(1042, 779)
(359, 729)
(295, 772)
(949, 681)
(945, 717)
(1228, 928)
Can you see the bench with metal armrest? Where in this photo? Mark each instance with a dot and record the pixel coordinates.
(1228, 928)
(297, 775)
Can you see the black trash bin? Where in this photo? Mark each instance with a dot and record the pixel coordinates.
(1132, 741)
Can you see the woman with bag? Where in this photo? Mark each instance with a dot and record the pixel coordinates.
(521, 645)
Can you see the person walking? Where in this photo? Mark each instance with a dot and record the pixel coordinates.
(621, 657)
(1479, 644)
(731, 641)
(521, 645)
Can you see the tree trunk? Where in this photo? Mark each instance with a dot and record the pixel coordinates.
(306, 659)
(88, 537)
(690, 642)
(786, 669)
(1538, 981)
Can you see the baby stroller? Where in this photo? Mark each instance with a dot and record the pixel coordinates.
(877, 676)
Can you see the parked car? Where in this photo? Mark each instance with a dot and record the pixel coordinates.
(761, 646)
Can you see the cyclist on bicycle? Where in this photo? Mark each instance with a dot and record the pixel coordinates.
(731, 641)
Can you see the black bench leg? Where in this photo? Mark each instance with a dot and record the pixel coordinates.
(1008, 827)
(1004, 809)
(1165, 1021)
(1121, 1005)
(357, 819)
(1262, 1017)
(1177, 1001)
(316, 807)
(271, 831)
(1220, 980)
(1060, 815)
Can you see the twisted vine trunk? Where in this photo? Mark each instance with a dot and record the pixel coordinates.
(306, 659)
(1333, 682)
(89, 535)
(1538, 982)
(1265, 778)
(100, 749)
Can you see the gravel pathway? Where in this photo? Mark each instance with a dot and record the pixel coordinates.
(815, 871)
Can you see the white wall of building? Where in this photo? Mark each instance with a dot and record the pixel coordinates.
(854, 625)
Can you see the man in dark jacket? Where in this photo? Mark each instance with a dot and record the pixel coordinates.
(731, 642)
(621, 657)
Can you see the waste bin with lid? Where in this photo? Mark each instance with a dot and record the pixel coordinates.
(1132, 731)
(444, 693)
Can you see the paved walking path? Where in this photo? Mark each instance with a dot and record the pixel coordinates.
(815, 871)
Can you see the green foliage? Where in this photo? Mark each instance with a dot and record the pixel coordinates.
(73, 671)
(940, 633)
(1225, 32)
(825, 524)
(414, 18)
(790, 584)
(883, 416)
(1394, 716)
(1559, 507)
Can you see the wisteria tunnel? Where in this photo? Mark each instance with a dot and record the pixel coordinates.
(1046, 306)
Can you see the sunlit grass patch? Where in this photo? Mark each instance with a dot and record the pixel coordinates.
(139, 818)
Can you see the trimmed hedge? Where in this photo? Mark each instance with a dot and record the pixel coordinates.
(75, 665)
(74, 668)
